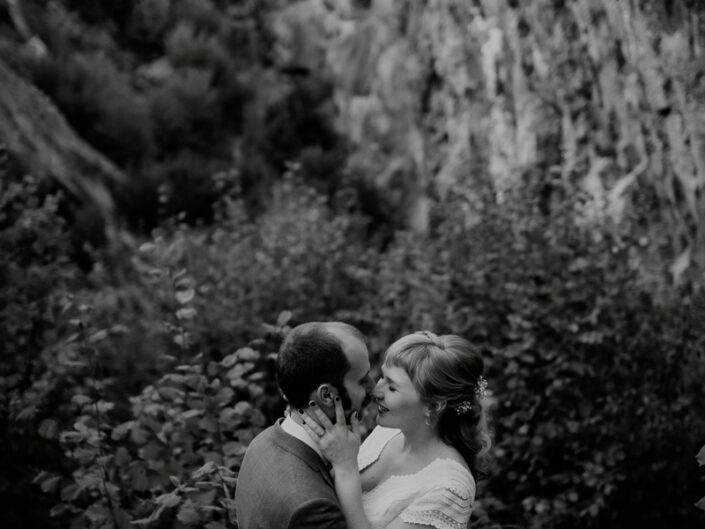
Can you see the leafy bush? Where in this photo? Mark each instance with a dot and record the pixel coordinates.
(594, 379)
(188, 430)
(594, 376)
(35, 274)
(100, 104)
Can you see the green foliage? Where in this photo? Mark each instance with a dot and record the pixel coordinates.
(701, 462)
(173, 461)
(100, 103)
(35, 275)
(594, 380)
(594, 376)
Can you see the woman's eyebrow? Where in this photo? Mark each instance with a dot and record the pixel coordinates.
(390, 379)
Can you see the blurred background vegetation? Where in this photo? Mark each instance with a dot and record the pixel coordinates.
(182, 180)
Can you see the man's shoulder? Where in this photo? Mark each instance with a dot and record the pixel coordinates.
(280, 485)
(275, 455)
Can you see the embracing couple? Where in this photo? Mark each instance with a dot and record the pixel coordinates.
(414, 470)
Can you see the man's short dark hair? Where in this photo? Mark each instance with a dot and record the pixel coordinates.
(310, 356)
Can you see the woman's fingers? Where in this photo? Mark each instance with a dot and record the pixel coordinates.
(311, 432)
(322, 418)
(339, 411)
(355, 424)
(310, 420)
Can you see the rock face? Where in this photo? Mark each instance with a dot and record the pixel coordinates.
(35, 132)
(438, 94)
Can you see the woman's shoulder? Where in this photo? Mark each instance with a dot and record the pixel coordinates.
(372, 447)
(452, 473)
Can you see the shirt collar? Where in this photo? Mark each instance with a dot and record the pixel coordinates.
(296, 430)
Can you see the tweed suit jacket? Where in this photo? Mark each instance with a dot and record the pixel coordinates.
(283, 484)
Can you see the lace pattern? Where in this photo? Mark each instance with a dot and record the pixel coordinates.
(440, 495)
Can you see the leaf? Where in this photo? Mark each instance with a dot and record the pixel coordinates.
(70, 492)
(188, 514)
(184, 296)
(182, 340)
(284, 318)
(98, 336)
(104, 406)
(48, 429)
(234, 448)
(215, 525)
(247, 354)
(186, 314)
(701, 456)
(122, 457)
(98, 515)
(71, 437)
(150, 452)
(680, 265)
(139, 435)
(121, 431)
(147, 247)
(58, 510)
(204, 470)
(170, 393)
(230, 360)
(208, 424)
(204, 498)
(50, 485)
(171, 499)
(701, 503)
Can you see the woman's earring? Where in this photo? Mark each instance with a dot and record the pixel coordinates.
(428, 418)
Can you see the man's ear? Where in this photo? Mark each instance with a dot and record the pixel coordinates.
(325, 395)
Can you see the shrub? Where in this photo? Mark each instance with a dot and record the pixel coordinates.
(175, 457)
(593, 400)
(100, 103)
(596, 381)
(35, 274)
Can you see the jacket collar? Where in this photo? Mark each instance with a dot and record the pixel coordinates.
(301, 450)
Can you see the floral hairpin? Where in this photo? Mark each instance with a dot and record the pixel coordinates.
(481, 388)
(480, 393)
(463, 407)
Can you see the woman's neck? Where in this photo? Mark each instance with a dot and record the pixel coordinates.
(421, 441)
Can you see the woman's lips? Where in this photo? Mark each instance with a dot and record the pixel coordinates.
(381, 409)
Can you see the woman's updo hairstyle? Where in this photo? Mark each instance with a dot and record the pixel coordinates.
(447, 372)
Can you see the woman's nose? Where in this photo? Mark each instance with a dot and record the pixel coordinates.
(377, 391)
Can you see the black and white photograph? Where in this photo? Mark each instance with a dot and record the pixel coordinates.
(352, 264)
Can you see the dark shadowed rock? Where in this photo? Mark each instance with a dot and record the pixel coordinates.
(35, 132)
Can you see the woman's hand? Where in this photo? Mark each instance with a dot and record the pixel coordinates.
(338, 443)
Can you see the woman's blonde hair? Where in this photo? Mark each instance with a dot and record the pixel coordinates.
(447, 372)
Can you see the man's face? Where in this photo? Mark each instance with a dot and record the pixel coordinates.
(357, 382)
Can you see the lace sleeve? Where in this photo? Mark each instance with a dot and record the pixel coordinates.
(443, 507)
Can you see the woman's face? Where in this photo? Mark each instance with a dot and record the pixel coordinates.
(398, 402)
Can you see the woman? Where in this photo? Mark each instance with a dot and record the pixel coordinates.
(416, 468)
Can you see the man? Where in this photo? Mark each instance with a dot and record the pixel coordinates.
(284, 481)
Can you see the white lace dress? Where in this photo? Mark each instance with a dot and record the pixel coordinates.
(440, 495)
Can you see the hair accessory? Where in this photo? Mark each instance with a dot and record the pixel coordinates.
(480, 393)
(481, 388)
(463, 407)
(434, 339)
